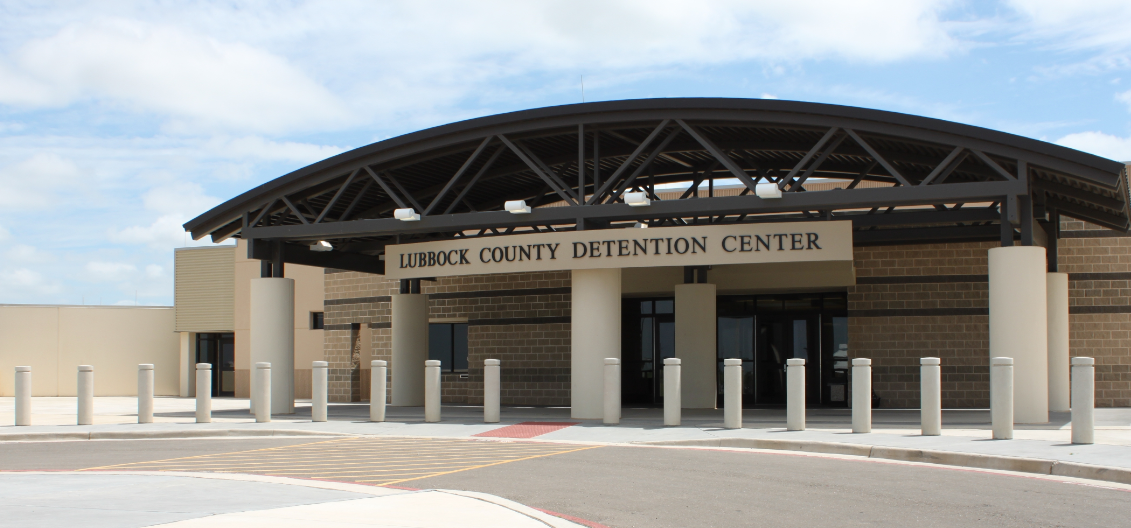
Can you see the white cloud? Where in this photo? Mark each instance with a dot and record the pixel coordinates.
(4, 234)
(111, 271)
(22, 282)
(1100, 144)
(256, 147)
(1125, 98)
(35, 182)
(194, 80)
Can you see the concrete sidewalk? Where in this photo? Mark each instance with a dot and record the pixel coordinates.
(965, 431)
(210, 500)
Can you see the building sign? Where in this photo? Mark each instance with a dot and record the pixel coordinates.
(696, 245)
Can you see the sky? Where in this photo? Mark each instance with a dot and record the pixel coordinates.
(120, 121)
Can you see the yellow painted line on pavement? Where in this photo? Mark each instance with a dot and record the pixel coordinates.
(384, 461)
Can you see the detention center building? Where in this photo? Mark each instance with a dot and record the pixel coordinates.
(551, 239)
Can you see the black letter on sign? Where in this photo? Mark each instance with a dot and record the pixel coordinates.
(524, 251)
(594, 249)
(812, 241)
(636, 245)
(795, 242)
(481, 252)
(781, 240)
(554, 249)
(576, 246)
(685, 245)
(402, 260)
(725, 243)
(463, 256)
(695, 243)
(622, 248)
(759, 242)
(431, 258)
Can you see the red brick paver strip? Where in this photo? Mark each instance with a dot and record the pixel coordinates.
(526, 429)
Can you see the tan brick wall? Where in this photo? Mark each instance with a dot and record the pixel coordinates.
(492, 333)
(897, 323)
(1106, 288)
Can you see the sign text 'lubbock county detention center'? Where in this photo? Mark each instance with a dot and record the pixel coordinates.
(623, 248)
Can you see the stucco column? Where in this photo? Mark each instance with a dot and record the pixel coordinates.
(410, 348)
(272, 338)
(594, 336)
(1057, 285)
(695, 336)
(186, 365)
(1019, 325)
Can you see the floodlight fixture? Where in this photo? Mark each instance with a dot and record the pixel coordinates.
(767, 190)
(407, 214)
(321, 245)
(637, 199)
(517, 207)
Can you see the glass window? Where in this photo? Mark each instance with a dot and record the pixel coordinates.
(802, 303)
(646, 307)
(317, 320)
(769, 304)
(801, 338)
(665, 307)
(736, 337)
(447, 343)
(667, 339)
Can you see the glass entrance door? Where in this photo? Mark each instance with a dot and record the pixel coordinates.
(220, 351)
(782, 337)
(649, 338)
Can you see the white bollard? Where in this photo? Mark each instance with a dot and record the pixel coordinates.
(377, 379)
(263, 392)
(1083, 400)
(795, 394)
(319, 385)
(672, 403)
(204, 393)
(612, 391)
(930, 395)
(492, 386)
(1001, 397)
(861, 395)
(732, 393)
(145, 393)
(432, 391)
(23, 395)
(86, 395)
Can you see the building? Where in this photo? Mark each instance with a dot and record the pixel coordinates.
(213, 318)
(546, 239)
(54, 340)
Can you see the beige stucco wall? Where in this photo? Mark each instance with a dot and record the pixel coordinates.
(55, 340)
(309, 284)
(733, 279)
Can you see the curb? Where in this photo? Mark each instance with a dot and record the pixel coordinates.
(946, 458)
(140, 435)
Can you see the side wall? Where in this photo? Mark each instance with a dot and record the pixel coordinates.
(521, 319)
(917, 301)
(55, 340)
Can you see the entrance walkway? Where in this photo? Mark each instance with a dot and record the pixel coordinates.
(964, 431)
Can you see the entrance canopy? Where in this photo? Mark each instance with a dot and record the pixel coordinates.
(898, 178)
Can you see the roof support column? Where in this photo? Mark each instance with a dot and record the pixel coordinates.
(695, 336)
(595, 334)
(1019, 325)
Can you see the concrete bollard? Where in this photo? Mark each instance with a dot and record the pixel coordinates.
(377, 379)
(795, 394)
(1001, 397)
(492, 386)
(319, 387)
(930, 395)
(86, 395)
(1083, 400)
(145, 393)
(23, 395)
(732, 393)
(431, 391)
(612, 391)
(204, 393)
(672, 404)
(263, 392)
(861, 395)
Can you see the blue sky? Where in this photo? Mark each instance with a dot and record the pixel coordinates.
(121, 120)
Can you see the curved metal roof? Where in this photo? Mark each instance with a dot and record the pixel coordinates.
(457, 176)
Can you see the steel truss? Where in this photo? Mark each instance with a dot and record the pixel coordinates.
(931, 181)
